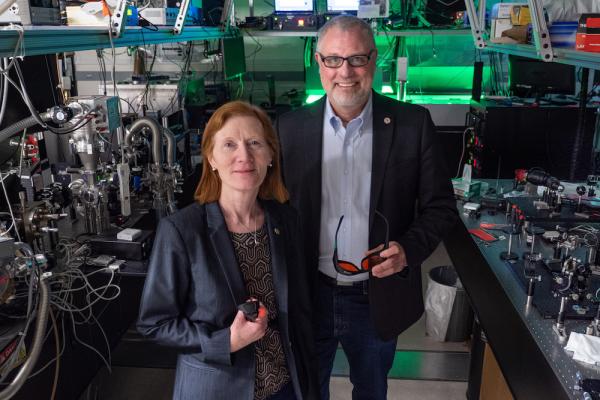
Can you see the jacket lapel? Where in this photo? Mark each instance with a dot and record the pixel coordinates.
(311, 140)
(221, 243)
(278, 264)
(383, 133)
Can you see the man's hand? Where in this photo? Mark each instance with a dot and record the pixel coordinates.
(395, 260)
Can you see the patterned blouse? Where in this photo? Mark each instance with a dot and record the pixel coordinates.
(254, 259)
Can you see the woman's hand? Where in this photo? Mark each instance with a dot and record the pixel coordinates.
(244, 332)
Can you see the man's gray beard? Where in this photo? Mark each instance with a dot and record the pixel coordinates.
(356, 99)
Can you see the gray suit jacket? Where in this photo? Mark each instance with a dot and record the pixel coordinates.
(408, 185)
(193, 288)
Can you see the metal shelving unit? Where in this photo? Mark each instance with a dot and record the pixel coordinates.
(56, 39)
(405, 32)
(542, 50)
(426, 32)
(563, 56)
(273, 33)
(579, 58)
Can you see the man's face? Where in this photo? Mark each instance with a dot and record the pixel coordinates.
(347, 87)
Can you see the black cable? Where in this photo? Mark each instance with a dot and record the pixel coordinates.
(148, 75)
(498, 78)
(102, 66)
(150, 26)
(252, 76)
(500, 69)
(492, 73)
(433, 50)
(50, 80)
(59, 131)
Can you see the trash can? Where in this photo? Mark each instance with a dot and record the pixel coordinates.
(448, 314)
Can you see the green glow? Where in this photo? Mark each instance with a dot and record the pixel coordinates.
(449, 79)
(434, 79)
(438, 99)
(407, 364)
(411, 98)
(236, 76)
(311, 98)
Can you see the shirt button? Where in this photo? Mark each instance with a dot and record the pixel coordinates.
(345, 172)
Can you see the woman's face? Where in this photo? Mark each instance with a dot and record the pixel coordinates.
(241, 155)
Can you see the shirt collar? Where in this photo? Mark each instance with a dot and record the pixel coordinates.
(335, 122)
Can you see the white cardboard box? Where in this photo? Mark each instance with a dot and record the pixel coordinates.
(499, 26)
(502, 10)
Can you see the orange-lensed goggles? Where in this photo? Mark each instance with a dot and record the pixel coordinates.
(348, 268)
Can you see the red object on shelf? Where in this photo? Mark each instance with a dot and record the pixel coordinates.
(587, 42)
(587, 21)
(588, 33)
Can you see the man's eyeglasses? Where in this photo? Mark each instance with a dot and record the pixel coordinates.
(359, 60)
(348, 268)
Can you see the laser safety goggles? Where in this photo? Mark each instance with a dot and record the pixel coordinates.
(346, 267)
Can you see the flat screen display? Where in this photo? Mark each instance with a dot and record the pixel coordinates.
(529, 77)
(294, 6)
(338, 6)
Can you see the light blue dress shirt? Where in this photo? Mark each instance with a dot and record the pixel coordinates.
(345, 189)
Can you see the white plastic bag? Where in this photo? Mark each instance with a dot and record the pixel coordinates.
(439, 300)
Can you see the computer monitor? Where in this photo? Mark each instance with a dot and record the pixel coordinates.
(342, 6)
(535, 78)
(294, 6)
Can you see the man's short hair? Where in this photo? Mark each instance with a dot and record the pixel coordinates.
(347, 23)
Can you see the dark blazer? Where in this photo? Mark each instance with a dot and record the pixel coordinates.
(408, 185)
(191, 294)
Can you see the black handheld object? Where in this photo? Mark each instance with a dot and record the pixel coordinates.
(250, 309)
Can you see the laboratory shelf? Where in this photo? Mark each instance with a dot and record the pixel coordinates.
(404, 32)
(57, 39)
(561, 55)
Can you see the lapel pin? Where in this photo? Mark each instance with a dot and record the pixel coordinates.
(276, 230)
(387, 120)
